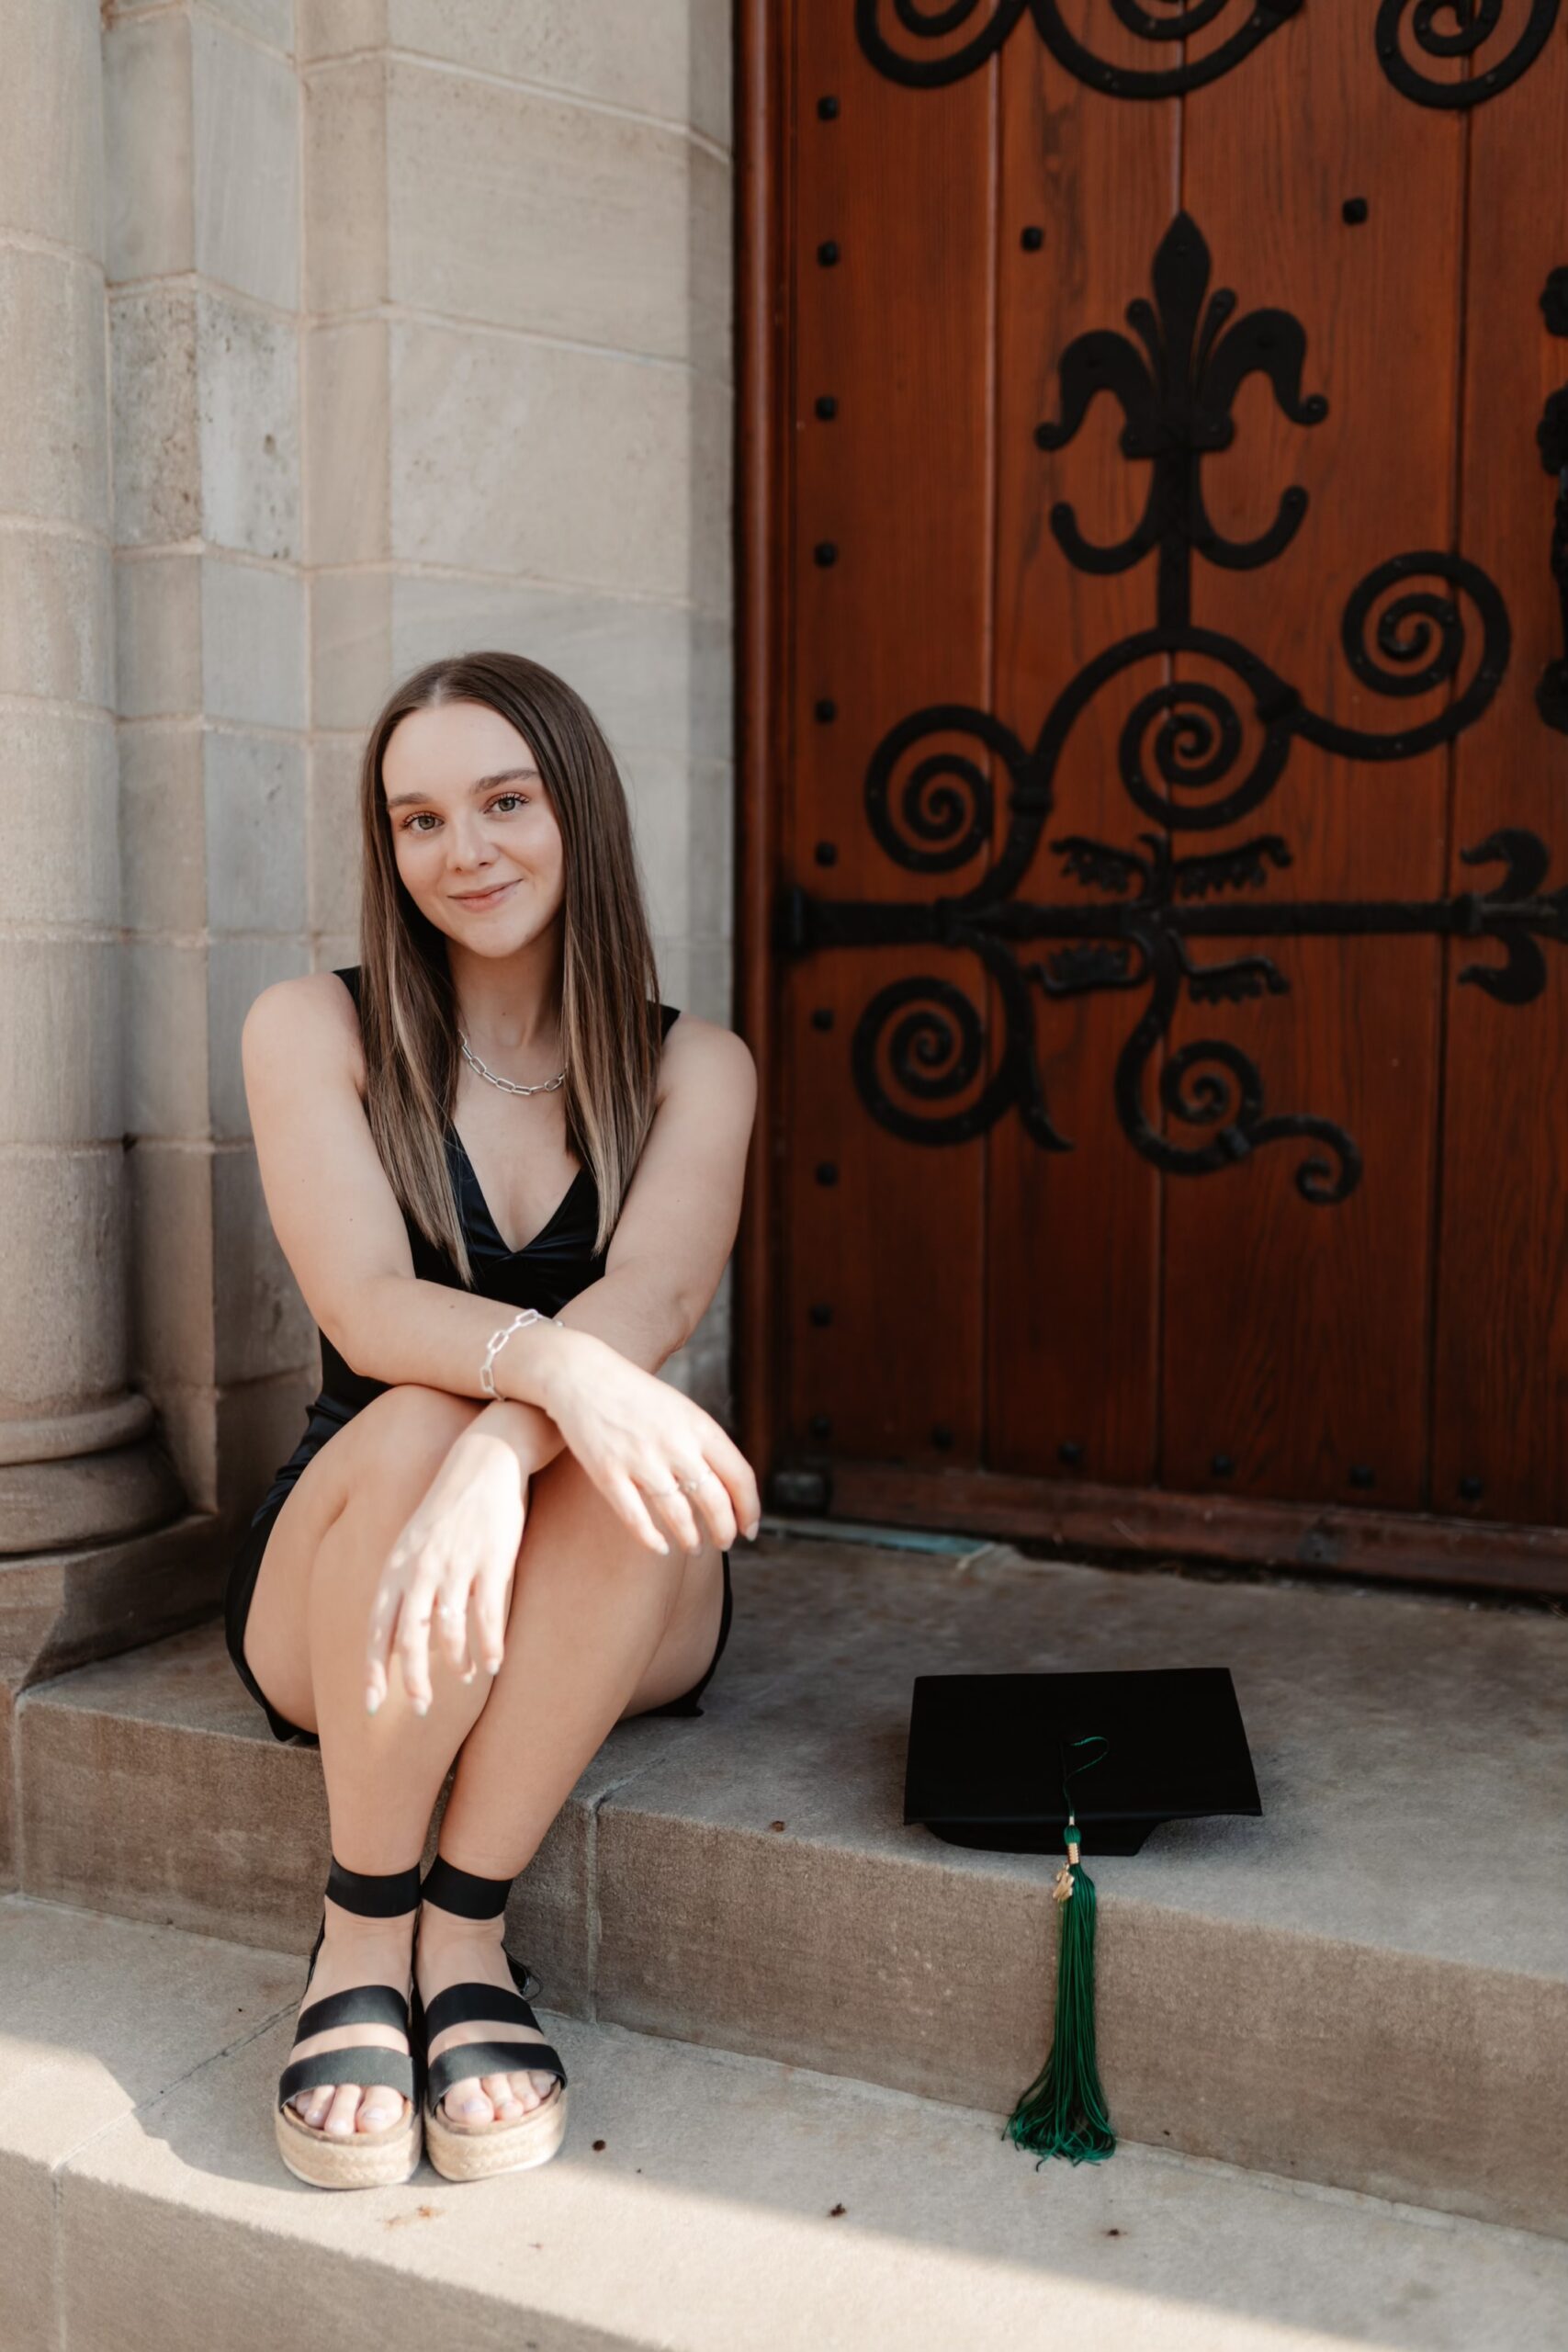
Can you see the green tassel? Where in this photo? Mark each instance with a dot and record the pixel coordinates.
(1063, 2112)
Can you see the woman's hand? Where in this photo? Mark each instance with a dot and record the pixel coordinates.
(452, 1561)
(642, 1442)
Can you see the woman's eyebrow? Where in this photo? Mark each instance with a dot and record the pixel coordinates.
(480, 784)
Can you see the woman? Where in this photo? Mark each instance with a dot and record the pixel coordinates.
(500, 1170)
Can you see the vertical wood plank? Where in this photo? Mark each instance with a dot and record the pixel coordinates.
(882, 1290)
(1502, 1345)
(765, 54)
(1072, 1274)
(1297, 1337)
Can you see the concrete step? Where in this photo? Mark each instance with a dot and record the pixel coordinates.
(1366, 1988)
(702, 2201)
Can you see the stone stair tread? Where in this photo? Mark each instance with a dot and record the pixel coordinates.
(142, 2203)
(1407, 1747)
(1368, 1986)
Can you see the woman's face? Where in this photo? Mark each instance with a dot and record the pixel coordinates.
(470, 814)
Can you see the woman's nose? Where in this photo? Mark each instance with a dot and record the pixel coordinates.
(465, 844)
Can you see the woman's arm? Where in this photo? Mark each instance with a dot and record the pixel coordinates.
(614, 1312)
(339, 1225)
(676, 1229)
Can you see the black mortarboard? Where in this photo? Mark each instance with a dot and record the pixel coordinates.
(1034, 1763)
(986, 1756)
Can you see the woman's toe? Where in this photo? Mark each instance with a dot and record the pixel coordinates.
(378, 2111)
(543, 2086)
(338, 2121)
(465, 2102)
(502, 2097)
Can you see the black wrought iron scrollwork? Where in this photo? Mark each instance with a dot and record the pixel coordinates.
(1140, 928)
(1551, 436)
(1176, 20)
(1192, 757)
(1176, 394)
(935, 1047)
(935, 24)
(941, 815)
(1472, 24)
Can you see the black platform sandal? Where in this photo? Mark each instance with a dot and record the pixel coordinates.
(369, 2159)
(475, 2150)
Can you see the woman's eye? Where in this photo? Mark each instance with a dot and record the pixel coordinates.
(416, 823)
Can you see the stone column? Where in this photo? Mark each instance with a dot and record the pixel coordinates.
(75, 1463)
(80, 1468)
(202, 139)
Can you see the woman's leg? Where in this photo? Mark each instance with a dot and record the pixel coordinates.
(305, 1643)
(600, 1627)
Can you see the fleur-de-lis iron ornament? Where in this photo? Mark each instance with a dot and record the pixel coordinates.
(1438, 29)
(1175, 386)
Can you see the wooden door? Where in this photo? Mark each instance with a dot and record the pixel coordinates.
(1155, 773)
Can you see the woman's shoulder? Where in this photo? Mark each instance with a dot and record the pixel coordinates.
(311, 1017)
(702, 1053)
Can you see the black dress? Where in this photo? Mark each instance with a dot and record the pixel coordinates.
(553, 1267)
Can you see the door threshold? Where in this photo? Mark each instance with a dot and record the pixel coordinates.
(894, 1538)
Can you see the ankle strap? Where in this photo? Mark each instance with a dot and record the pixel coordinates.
(375, 1895)
(469, 1896)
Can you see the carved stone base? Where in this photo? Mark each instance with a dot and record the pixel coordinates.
(55, 1506)
(59, 1609)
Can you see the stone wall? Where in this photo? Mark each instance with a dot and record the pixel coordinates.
(517, 402)
(338, 334)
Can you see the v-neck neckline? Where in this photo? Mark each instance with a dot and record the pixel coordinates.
(550, 1222)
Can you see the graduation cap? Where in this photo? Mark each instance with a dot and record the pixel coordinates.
(1040, 1763)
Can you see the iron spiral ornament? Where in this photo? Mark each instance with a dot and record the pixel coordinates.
(1193, 756)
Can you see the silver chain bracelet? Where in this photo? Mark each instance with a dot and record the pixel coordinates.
(498, 1340)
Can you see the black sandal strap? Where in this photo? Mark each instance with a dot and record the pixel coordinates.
(464, 1893)
(374, 1894)
(466, 2003)
(394, 2068)
(490, 2058)
(361, 2004)
(522, 1976)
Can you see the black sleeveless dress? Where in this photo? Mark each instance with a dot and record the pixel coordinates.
(553, 1267)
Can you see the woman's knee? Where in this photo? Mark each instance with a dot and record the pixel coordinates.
(400, 1440)
(573, 1533)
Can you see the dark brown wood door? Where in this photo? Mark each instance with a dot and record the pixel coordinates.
(1158, 825)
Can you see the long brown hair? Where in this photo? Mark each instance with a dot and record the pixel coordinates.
(408, 1010)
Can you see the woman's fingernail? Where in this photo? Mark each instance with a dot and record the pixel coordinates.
(422, 1706)
(372, 1701)
(493, 1664)
(751, 1531)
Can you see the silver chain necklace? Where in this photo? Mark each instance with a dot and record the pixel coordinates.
(545, 1086)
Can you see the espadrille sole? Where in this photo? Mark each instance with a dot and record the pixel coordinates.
(483, 2149)
(370, 2160)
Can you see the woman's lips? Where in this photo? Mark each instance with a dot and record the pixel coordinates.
(478, 902)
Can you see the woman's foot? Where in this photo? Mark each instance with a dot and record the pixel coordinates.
(356, 1950)
(454, 1951)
